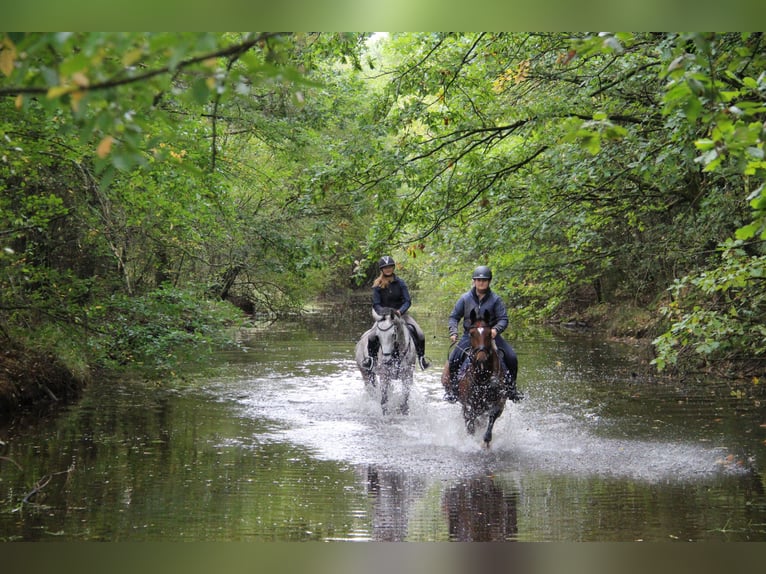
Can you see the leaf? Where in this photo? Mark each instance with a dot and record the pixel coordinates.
(708, 157)
(755, 197)
(76, 97)
(692, 108)
(58, 91)
(755, 152)
(747, 232)
(614, 44)
(200, 91)
(80, 79)
(104, 147)
(704, 144)
(677, 63)
(131, 57)
(7, 57)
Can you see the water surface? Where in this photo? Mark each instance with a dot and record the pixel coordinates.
(283, 444)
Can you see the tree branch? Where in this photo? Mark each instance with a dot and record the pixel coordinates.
(235, 50)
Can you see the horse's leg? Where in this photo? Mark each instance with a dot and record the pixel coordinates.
(446, 379)
(360, 352)
(384, 396)
(403, 405)
(404, 408)
(470, 419)
(371, 380)
(407, 385)
(494, 414)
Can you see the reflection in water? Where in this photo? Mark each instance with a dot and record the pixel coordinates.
(391, 494)
(479, 510)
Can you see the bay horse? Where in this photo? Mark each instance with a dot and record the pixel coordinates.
(395, 360)
(480, 379)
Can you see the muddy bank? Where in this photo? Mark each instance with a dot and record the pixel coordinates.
(31, 378)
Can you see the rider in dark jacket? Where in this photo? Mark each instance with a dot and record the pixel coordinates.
(480, 299)
(390, 292)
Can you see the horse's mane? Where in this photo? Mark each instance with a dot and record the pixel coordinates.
(384, 312)
(397, 321)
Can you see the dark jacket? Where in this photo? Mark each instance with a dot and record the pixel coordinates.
(498, 317)
(395, 296)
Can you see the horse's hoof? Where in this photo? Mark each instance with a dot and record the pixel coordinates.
(486, 444)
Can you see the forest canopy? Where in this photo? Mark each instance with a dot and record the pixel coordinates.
(153, 183)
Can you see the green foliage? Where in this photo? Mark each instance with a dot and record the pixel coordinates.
(266, 168)
(719, 81)
(718, 314)
(144, 174)
(161, 331)
(585, 169)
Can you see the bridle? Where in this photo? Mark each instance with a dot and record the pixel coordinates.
(475, 352)
(396, 325)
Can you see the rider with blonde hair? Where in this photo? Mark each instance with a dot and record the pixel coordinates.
(389, 291)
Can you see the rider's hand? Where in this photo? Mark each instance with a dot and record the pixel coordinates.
(494, 333)
(453, 338)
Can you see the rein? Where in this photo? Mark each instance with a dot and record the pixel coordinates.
(399, 352)
(470, 352)
(387, 328)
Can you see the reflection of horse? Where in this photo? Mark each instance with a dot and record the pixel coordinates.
(391, 496)
(480, 378)
(478, 510)
(395, 360)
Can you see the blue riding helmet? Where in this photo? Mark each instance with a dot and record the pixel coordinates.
(482, 272)
(386, 261)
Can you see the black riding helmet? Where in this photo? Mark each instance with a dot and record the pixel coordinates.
(386, 261)
(482, 272)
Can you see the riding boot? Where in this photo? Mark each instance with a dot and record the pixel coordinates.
(368, 363)
(510, 390)
(422, 361)
(420, 350)
(372, 352)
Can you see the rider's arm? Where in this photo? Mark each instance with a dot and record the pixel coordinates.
(501, 316)
(455, 316)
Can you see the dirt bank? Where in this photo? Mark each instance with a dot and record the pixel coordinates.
(30, 378)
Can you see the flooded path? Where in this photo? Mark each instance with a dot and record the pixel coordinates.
(284, 444)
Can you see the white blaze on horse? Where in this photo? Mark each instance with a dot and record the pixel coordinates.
(395, 361)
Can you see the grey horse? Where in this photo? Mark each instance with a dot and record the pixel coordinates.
(395, 360)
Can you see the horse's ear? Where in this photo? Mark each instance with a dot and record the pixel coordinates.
(486, 316)
(473, 315)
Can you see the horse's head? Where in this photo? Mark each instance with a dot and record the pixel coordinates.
(388, 327)
(481, 341)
